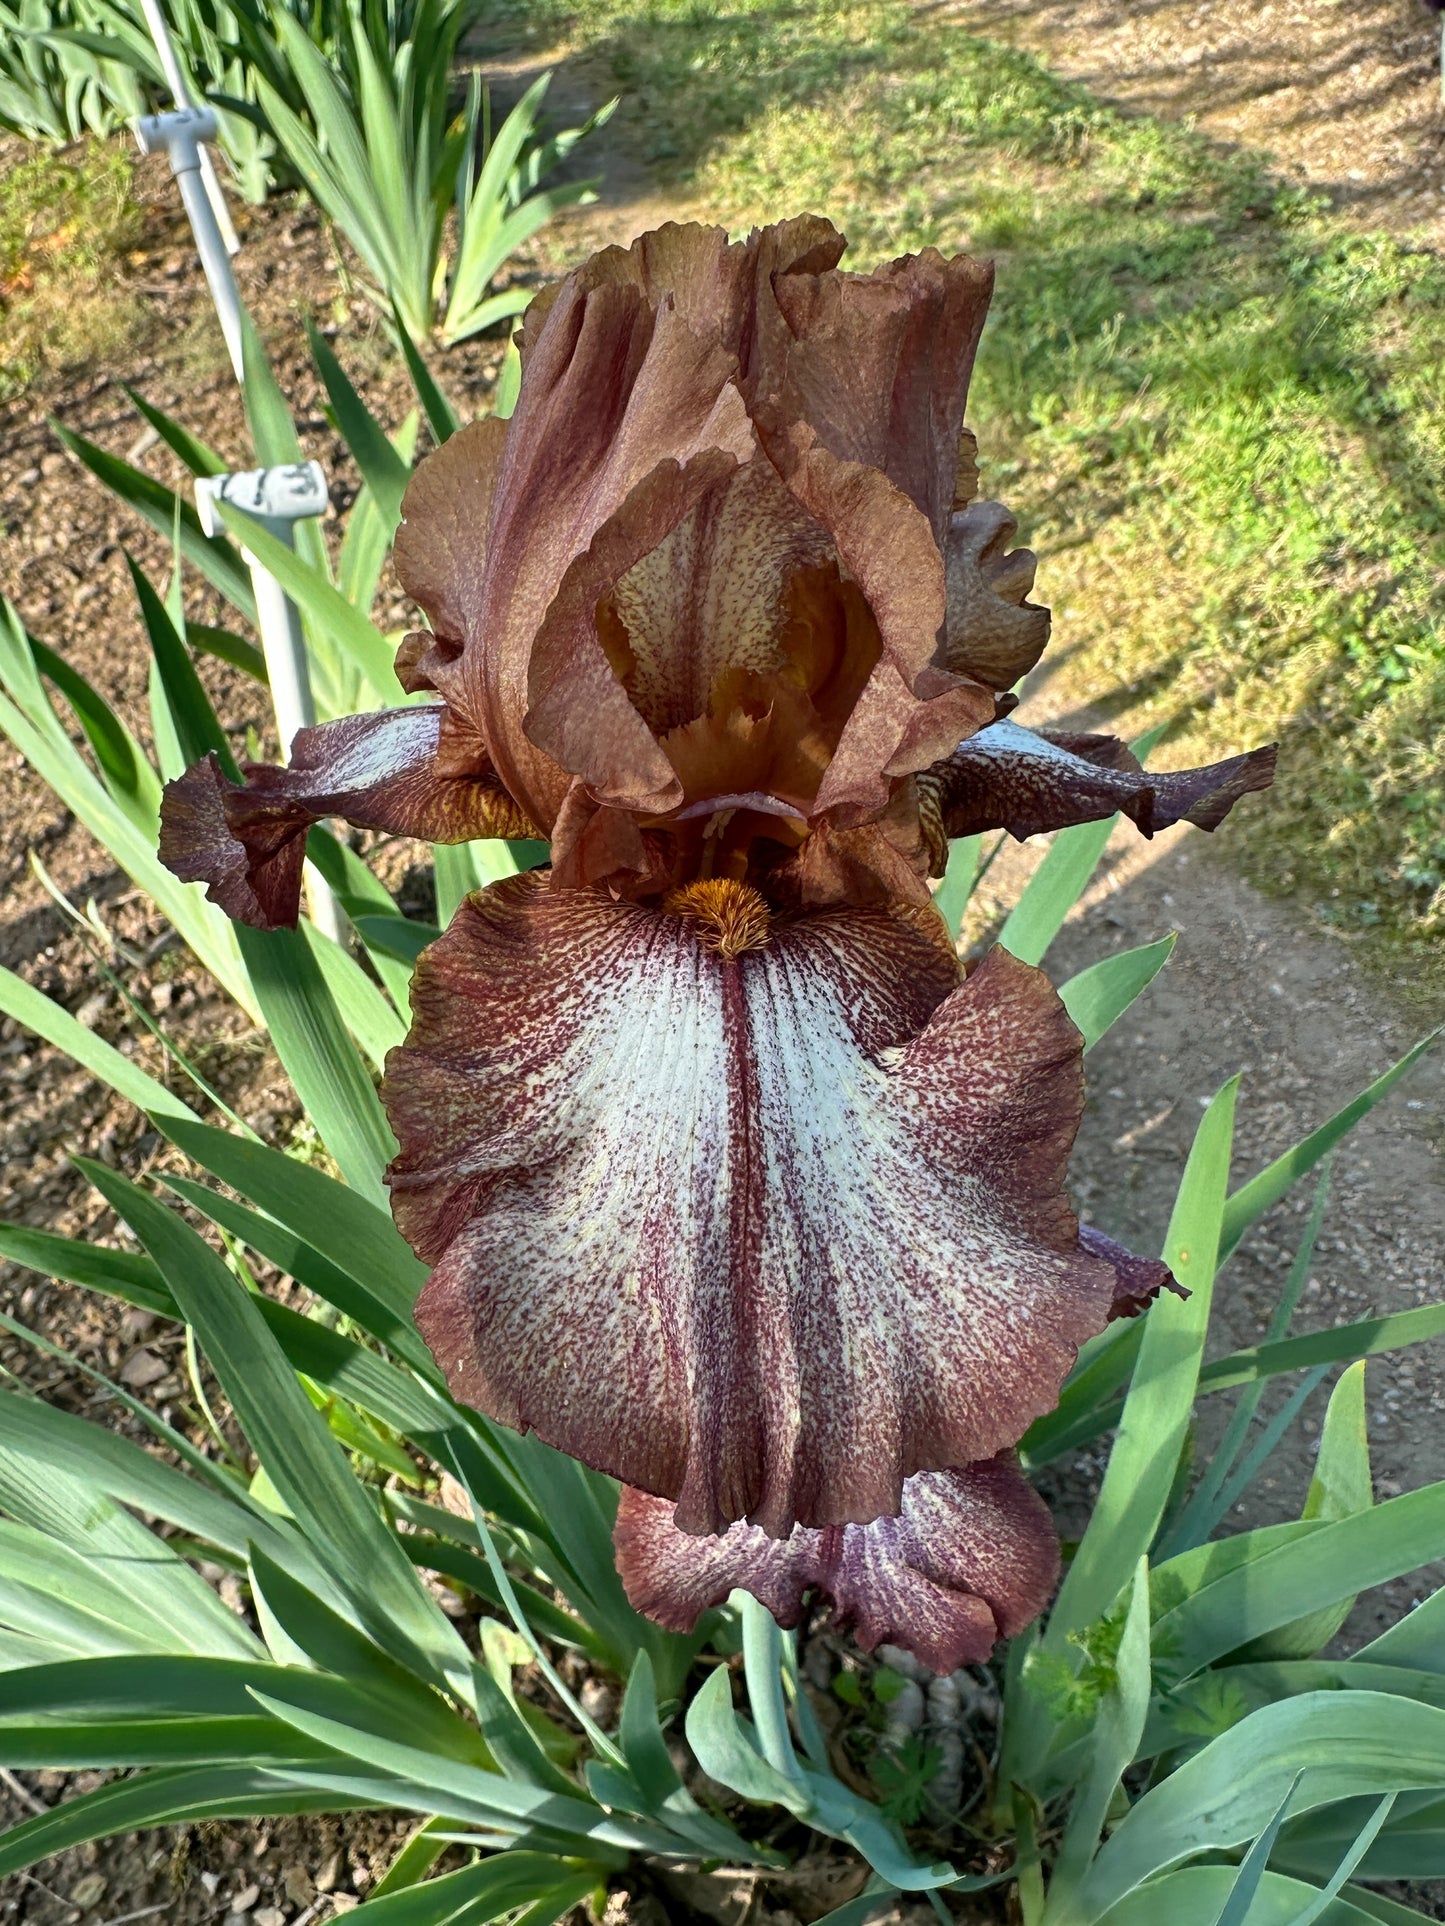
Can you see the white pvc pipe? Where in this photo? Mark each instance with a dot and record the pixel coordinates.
(285, 652)
(186, 158)
(181, 94)
(184, 134)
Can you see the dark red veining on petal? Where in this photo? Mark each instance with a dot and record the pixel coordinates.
(795, 1221)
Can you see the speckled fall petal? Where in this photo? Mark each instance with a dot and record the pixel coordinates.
(971, 1557)
(410, 772)
(763, 1234)
(1027, 781)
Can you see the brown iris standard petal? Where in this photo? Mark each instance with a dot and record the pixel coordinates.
(994, 633)
(971, 1557)
(626, 417)
(762, 1230)
(441, 545)
(713, 532)
(410, 772)
(1027, 781)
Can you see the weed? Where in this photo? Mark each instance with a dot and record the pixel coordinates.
(67, 218)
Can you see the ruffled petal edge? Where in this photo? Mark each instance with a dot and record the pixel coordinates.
(971, 1557)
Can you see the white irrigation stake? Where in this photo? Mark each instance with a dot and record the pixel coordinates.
(181, 136)
(181, 94)
(280, 496)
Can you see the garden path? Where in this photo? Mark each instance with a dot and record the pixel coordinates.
(1344, 98)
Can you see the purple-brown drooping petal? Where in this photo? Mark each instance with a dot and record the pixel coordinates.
(1027, 781)
(1137, 1280)
(762, 1223)
(970, 1558)
(409, 772)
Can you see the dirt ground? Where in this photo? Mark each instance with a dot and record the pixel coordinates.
(1253, 984)
(1345, 98)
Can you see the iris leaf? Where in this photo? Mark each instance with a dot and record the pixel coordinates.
(1156, 1413)
(1097, 997)
(487, 1891)
(1344, 1743)
(1333, 1561)
(318, 1055)
(194, 453)
(214, 556)
(1117, 1729)
(292, 1442)
(360, 1236)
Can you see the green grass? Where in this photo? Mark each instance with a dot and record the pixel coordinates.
(67, 218)
(1216, 408)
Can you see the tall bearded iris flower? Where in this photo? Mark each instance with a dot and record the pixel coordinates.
(735, 1187)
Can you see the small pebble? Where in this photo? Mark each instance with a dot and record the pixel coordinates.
(297, 1882)
(905, 1713)
(88, 1891)
(901, 1661)
(599, 1701)
(142, 1368)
